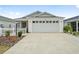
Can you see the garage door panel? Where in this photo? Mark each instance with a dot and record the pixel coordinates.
(45, 27)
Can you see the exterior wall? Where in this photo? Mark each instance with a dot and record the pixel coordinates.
(46, 27)
(5, 26)
(29, 25)
(61, 25)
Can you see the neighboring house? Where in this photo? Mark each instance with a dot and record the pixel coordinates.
(74, 21)
(7, 24)
(41, 22)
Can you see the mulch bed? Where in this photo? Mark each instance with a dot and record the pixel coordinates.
(8, 41)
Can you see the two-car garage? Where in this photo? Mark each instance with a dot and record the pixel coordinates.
(45, 26)
(44, 22)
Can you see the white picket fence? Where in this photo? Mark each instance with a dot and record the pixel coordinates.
(12, 31)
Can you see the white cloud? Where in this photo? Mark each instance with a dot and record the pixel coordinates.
(77, 6)
(17, 13)
(14, 13)
(11, 14)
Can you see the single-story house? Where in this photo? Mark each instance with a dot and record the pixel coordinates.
(74, 21)
(37, 22)
(41, 22)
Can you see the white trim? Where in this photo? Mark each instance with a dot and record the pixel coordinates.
(61, 25)
(29, 26)
(76, 26)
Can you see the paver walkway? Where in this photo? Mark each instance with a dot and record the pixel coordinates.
(38, 43)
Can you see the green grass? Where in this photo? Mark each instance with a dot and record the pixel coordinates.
(75, 33)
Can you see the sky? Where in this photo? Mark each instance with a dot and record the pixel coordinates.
(17, 11)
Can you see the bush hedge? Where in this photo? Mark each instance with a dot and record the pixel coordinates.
(68, 29)
(7, 33)
(19, 33)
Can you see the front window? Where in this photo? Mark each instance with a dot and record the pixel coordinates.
(1, 25)
(53, 21)
(56, 21)
(9, 25)
(23, 24)
(50, 21)
(18, 25)
(40, 21)
(36, 21)
(47, 21)
(43, 21)
(33, 21)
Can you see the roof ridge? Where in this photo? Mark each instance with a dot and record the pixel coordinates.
(31, 14)
(72, 17)
(47, 14)
(3, 18)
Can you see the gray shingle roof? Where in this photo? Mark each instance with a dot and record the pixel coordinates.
(33, 14)
(72, 18)
(45, 14)
(2, 18)
(38, 14)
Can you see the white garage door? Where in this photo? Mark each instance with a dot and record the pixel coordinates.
(45, 26)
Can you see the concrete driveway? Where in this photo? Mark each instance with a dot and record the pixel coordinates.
(44, 43)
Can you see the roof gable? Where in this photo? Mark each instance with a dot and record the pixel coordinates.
(45, 14)
(39, 14)
(33, 14)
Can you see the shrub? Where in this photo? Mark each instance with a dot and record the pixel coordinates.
(7, 33)
(67, 29)
(20, 34)
(78, 33)
(75, 33)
